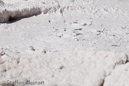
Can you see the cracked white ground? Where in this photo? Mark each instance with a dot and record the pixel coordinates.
(64, 42)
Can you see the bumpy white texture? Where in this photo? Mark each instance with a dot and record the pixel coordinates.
(119, 76)
(37, 47)
(25, 8)
(19, 9)
(71, 67)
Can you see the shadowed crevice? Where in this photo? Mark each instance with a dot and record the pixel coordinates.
(13, 16)
(15, 19)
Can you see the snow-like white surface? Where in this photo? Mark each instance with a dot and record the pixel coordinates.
(69, 42)
(119, 77)
(71, 67)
